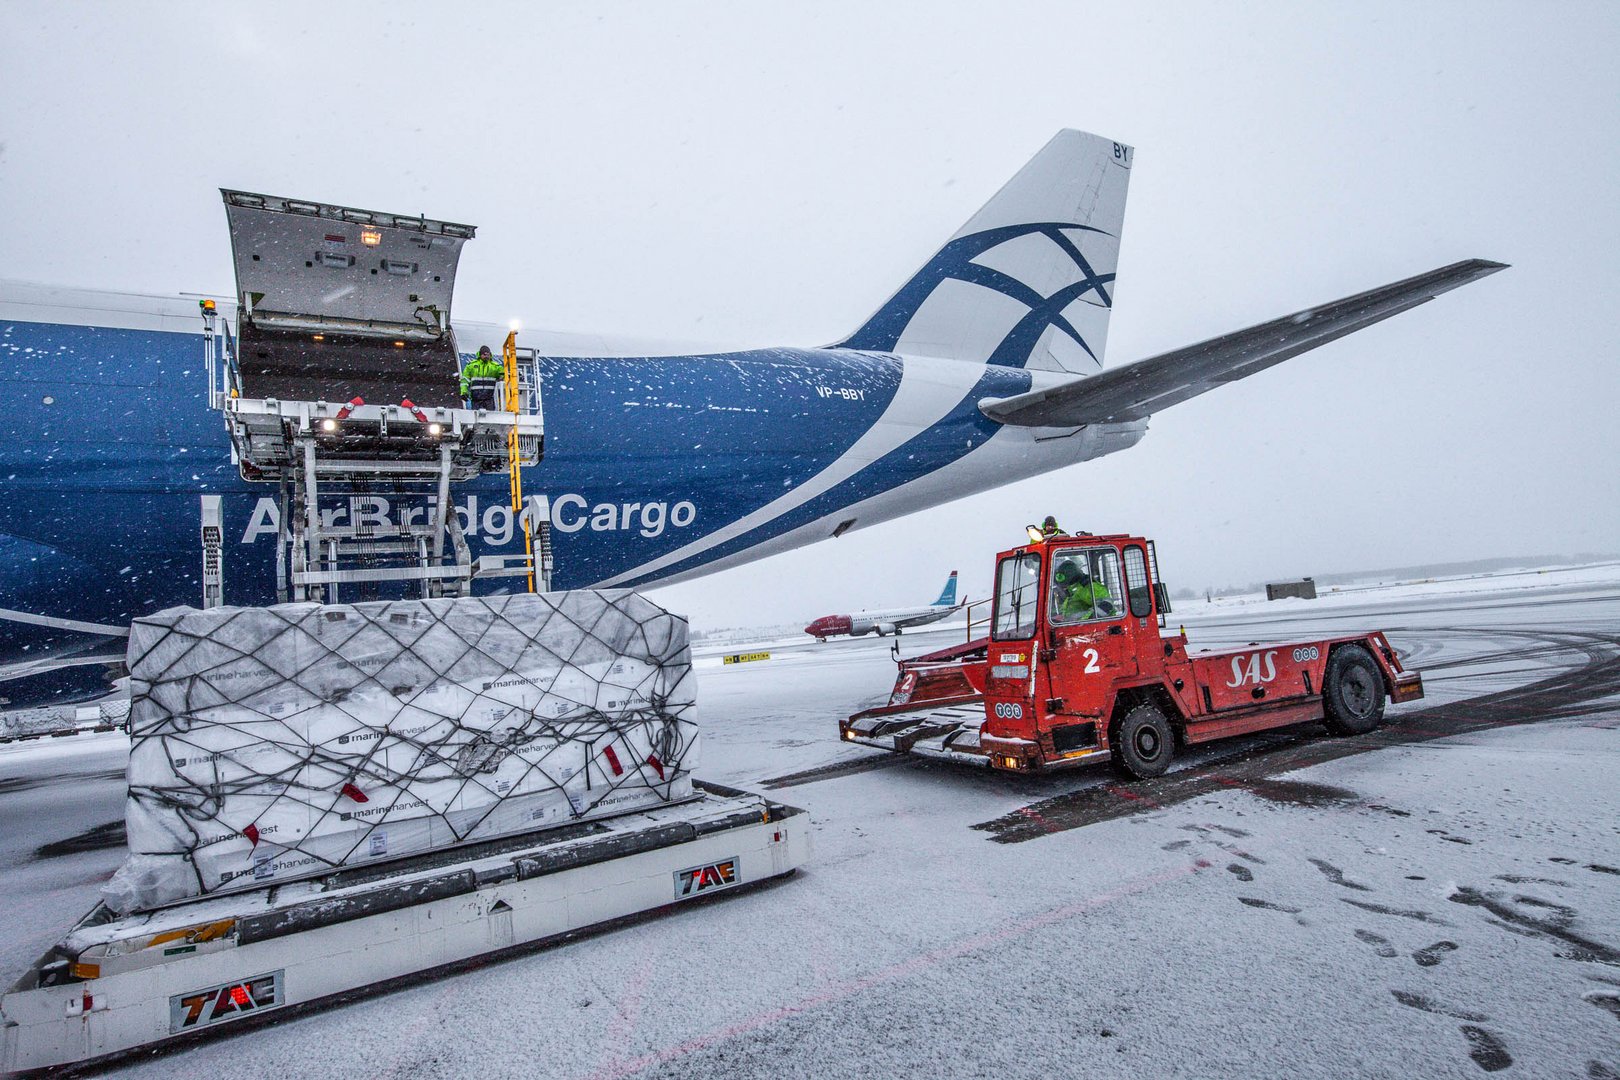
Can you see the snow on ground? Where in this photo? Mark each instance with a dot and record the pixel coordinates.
(1440, 899)
(61, 836)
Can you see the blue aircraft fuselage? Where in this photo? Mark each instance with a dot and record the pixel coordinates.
(109, 441)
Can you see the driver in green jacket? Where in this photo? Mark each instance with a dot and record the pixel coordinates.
(1082, 597)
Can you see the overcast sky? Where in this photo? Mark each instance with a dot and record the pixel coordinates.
(767, 174)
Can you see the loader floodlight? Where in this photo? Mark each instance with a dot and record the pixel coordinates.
(329, 425)
(435, 430)
(1034, 532)
(370, 237)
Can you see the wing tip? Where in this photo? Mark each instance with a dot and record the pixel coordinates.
(1457, 274)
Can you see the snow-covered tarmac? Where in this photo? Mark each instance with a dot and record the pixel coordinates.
(1438, 899)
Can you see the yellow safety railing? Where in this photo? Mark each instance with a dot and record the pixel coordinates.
(514, 404)
(982, 622)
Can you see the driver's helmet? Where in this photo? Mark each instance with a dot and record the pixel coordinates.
(1068, 571)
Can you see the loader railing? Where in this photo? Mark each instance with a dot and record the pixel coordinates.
(219, 357)
(982, 622)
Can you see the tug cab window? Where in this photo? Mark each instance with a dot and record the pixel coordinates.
(1086, 586)
(1136, 580)
(1018, 593)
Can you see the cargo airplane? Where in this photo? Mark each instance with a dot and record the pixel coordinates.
(887, 620)
(985, 367)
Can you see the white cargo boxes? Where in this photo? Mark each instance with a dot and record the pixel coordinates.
(270, 744)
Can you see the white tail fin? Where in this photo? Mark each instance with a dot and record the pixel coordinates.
(1029, 280)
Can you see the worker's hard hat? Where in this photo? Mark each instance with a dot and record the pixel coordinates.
(483, 350)
(1049, 523)
(1067, 571)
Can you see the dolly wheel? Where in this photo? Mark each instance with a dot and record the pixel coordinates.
(1144, 743)
(1352, 691)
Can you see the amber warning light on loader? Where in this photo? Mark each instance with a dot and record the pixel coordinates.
(370, 237)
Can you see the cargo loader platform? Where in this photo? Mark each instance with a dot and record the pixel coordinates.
(114, 985)
(950, 731)
(339, 379)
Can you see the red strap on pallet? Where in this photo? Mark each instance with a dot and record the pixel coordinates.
(252, 833)
(658, 766)
(355, 793)
(613, 760)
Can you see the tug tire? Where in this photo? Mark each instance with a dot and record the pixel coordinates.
(1352, 692)
(1143, 743)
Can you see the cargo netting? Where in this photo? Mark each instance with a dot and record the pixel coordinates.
(272, 744)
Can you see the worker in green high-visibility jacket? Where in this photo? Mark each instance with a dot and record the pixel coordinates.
(479, 379)
(1081, 597)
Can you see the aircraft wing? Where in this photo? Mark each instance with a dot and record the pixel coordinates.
(1137, 390)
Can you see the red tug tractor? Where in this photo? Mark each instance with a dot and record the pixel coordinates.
(1075, 669)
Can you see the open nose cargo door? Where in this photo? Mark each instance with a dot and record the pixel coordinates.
(339, 303)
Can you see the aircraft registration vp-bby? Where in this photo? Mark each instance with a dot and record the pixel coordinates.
(888, 620)
(984, 368)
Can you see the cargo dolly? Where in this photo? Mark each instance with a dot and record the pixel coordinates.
(117, 984)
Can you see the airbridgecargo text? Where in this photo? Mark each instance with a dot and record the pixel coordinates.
(569, 514)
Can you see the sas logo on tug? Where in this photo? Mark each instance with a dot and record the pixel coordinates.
(709, 877)
(1256, 668)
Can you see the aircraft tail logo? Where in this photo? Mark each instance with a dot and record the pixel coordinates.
(947, 597)
(1029, 280)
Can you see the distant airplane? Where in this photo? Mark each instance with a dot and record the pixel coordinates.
(889, 620)
(984, 368)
